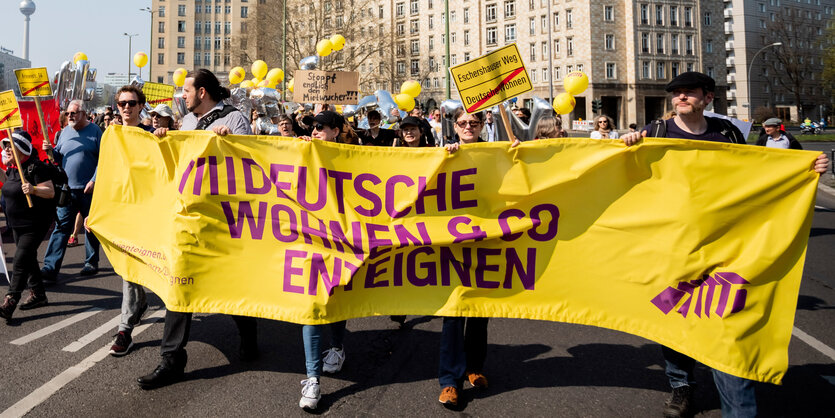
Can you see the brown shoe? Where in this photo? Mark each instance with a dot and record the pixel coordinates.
(478, 380)
(35, 300)
(7, 307)
(449, 396)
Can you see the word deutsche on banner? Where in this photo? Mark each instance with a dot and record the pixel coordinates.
(491, 79)
(33, 82)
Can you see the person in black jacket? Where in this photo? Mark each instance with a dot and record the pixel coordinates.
(29, 223)
(773, 137)
(375, 135)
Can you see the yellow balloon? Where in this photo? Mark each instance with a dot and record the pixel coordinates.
(337, 41)
(564, 103)
(179, 76)
(576, 82)
(236, 75)
(264, 83)
(338, 109)
(255, 80)
(276, 75)
(410, 87)
(404, 101)
(140, 59)
(78, 57)
(259, 69)
(247, 84)
(324, 48)
(290, 85)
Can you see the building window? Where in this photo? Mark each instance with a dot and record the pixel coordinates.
(181, 10)
(674, 44)
(673, 15)
(401, 29)
(510, 32)
(226, 60)
(544, 49)
(533, 76)
(466, 15)
(415, 67)
(161, 11)
(431, 43)
(533, 52)
(160, 58)
(400, 9)
(414, 26)
(181, 26)
(708, 46)
(688, 45)
(207, 45)
(532, 28)
(207, 27)
(707, 18)
(181, 42)
(645, 43)
(688, 17)
(644, 14)
(217, 42)
(244, 11)
(492, 36)
(217, 11)
(466, 37)
(509, 9)
(227, 28)
(160, 43)
(198, 42)
(659, 14)
(569, 22)
(490, 13)
(217, 59)
(556, 48)
(161, 27)
(660, 71)
(609, 41)
(414, 7)
(556, 21)
(611, 70)
(557, 73)
(609, 13)
(227, 10)
(415, 46)
(673, 69)
(197, 58)
(430, 4)
(569, 45)
(645, 70)
(380, 12)
(181, 58)
(401, 67)
(453, 59)
(659, 43)
(710, 72)
(217, 27)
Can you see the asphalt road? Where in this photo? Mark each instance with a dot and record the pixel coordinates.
(535, 368)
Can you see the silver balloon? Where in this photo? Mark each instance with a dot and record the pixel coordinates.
(265, 101)
(89, 93)
(137, 82)
(91, 74)
(265, 126)
(501, 132)
(519, 128)
(367, 102)
(386, 104)
(238, 98)
(349, 110)
(290, 107)
(62, 83)
(448, 109)
(179, 103)
(309, 63)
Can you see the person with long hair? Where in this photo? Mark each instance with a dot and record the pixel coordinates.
(604, 128)
(549, 127)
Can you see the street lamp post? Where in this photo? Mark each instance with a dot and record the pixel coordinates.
(130, 37)
(748, 81)
(150, 40)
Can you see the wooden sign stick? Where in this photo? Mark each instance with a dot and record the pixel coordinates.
(506, 120)
(17, 161)
(43, 127)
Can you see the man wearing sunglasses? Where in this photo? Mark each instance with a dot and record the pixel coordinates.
(130, 101)
(77, 151)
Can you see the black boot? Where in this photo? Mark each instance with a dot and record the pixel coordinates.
(679, 403)
(36, 299)
(169, 371)
(248, 330)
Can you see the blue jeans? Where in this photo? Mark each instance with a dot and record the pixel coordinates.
(57, 247)
(463, 349)
(312, 336)
(737, 394)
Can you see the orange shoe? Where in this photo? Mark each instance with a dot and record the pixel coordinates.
(478, 380)
(449, 396)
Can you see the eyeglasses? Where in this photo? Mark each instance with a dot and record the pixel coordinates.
(472, 123)
(128, 103)
(74, 113)
(156, 115)
(318, 127)
(603, 121)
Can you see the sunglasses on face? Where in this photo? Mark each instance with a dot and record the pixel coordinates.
(73, 113)
(318, 127)
(603, 121)
(127, 103)
(472, 123)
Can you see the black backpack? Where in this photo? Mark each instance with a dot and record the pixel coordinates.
(658, 129)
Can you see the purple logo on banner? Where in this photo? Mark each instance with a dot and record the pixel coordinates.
(700, 293)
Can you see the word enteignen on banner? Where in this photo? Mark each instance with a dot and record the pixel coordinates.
(394, 254)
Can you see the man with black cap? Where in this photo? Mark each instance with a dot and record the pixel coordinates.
(411, 134)
(691, 93)
(774, 137)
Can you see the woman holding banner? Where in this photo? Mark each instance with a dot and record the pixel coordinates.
(28, 190)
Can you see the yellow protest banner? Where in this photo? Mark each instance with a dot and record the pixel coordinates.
(491, 79)
(657, 240)
(158, 93)
(33, 82)
(9, 112)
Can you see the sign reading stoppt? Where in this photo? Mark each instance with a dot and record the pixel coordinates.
(9, 112)
(332, 87)
(491, 79)
(33, 82)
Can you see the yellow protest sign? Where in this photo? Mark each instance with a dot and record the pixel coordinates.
(33, 82)
(491, 79)
(656, 240)
(158, 93)
(9, 112)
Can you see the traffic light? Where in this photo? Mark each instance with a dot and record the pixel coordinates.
(596, 105)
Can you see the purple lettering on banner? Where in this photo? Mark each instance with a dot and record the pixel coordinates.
(339, 238)
(231, 182)
(697, 309)
(457, 187)
(711, 284)
(213, 188)
(431, 278)
(477, 235)
(359, 187)
(668, 299)
(198, 177)
(339, 178)
(290, 271)
(256, 225)
(248, 164)
(423, 232)
(439, 192)
(551, 232)
(278, 225)
(318, 268)
(372, 273)
(405, 237)
(397, 272)
(280, 186)
(353, 269)
(703, 291)
(482, 266)
(186, 173)
(462, 268)
(390, 201)
(527, 276)
(507, 234)
(322, 195)
(373, 242)
(307, 230)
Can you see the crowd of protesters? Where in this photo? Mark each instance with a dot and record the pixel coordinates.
(29, 193)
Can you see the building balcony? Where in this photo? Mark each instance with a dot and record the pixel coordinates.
(729, 45)
(729, 61)
(729, 13)
(731, 78)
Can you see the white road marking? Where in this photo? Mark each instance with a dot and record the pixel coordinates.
(23, 406)
(56, 326)
(814, 343)
(94, 334)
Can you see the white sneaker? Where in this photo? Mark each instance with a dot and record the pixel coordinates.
(334, 358)
(310, 393)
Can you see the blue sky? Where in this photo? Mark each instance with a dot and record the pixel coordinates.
(60, 28)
